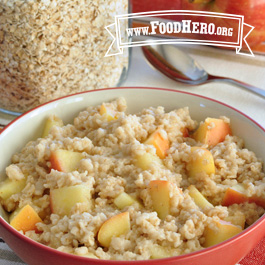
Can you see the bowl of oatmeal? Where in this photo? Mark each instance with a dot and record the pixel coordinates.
(132, 176)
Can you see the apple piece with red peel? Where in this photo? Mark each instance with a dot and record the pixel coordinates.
(212, 131)
(63, 200)
(158, 140)
(50, 122)
(198, 198)
(234, 195)
(160, 196)
(115, 226)
(237, 194)
(252, 10)
(145, 160)
(260, 201)
(201, 161)
(25, 219)
(224, 230)
(185, 132)
(64, 160)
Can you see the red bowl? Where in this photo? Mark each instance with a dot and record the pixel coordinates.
(16, 134)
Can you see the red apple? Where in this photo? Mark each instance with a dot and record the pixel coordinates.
(65, 160)
(223, 231)
(252, 10)
(237, 194)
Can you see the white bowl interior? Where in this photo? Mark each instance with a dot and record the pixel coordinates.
(29, 126)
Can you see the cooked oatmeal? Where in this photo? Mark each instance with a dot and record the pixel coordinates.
(140, 186)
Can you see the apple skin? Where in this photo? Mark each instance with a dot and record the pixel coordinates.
(252, 10)
(207, 134)
(237, 195)
(64, 160)
(225, 230)
(161, 144)
(160, 195)
(115, 226)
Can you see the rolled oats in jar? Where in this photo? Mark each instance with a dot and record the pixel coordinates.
(52, 48)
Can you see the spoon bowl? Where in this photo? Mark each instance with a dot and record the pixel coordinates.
(179, 66)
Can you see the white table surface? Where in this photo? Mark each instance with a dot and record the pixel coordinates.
(216, 61)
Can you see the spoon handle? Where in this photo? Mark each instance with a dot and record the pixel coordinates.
(253, 89)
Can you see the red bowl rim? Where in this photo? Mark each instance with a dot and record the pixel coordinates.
(228, 242)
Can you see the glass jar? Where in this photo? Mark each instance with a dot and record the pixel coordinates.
(52, 48)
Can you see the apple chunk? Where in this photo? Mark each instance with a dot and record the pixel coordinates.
(108, 113)
(64, 160)
(62, 200)
(124, 199)
(239, 219)
(201, 161)
(198, 198)
(145, 160)
(234, 195)
(25, 219)
(9, 187)
(212, 131)
(224, 230)
(115, 226)
(158, 140)
(160, 196)
(50, 122)
(237, 195)
(160, 252)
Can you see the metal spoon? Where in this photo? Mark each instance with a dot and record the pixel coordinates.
(179, 66)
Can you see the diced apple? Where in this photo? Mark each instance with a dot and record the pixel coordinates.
(9, 187)
(224, 230)
(185, 132)
(115, 226)
(237, 195)
(238, 220)
(124, 199)
(107, 112)
(160, 195)
(260, 201)
(160, 252)
(198, 198)
(62, 200)
(234, 195)
(201, 161)
(25, 219)
(159, 142)
(50, 122)
(65, 161)
(145, 160)
(212, 131)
